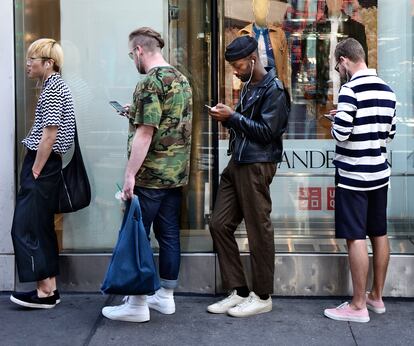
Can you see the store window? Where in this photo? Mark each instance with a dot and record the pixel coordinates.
(297, 38)
(94, 37)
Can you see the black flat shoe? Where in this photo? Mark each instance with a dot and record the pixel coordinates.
(57, 296)
(32, 300)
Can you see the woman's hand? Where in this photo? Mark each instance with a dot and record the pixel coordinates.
(35, 174)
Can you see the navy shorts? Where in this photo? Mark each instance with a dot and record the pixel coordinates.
(360, 213)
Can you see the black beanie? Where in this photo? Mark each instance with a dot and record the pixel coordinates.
(240, 47)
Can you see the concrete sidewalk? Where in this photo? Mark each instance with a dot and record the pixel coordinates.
(78, 321)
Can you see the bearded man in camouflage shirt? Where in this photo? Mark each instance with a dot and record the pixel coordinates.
(159, 142)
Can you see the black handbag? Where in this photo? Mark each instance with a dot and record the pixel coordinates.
(74, 189)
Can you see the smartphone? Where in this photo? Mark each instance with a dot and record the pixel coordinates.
(329, 117)
(118, 107)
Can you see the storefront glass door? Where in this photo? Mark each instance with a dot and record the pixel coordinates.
(94, 37)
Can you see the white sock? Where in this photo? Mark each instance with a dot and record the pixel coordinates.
(138, 300)
(166, 292)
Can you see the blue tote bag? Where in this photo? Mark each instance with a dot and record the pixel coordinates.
(132, 268)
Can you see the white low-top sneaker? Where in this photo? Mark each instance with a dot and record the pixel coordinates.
(223, 305)
(134, 309)
(161, 302)
(252, 305)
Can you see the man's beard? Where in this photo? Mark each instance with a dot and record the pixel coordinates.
(243, 78)
(140, 69)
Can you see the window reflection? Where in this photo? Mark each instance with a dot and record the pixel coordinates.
(302, 191)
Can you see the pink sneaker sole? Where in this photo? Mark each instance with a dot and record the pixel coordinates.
(345, 313)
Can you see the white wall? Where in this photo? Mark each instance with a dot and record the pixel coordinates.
(7, 140)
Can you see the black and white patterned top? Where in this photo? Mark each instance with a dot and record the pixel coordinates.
(54, 108)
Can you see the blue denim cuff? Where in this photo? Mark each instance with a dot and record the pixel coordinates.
(168, 283)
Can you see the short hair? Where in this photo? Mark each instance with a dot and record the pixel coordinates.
(47, 48)
(147, 38)
(351, 49)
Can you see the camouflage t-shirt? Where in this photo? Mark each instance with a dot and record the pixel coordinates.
(163, 99)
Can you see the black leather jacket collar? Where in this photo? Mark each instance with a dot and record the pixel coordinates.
(256, 131)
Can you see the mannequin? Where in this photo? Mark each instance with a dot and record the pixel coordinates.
(334, 7)
(338, 25)
(273, 49)
(330, 29)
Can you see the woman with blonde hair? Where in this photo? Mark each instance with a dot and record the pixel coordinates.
(33, 231)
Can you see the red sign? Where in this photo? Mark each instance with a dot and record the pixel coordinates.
(310, 198)
(330, 198)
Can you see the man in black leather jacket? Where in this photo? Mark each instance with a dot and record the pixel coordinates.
(256, 126)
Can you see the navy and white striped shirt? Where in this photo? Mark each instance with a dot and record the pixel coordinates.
(54, 108)
(364, 123)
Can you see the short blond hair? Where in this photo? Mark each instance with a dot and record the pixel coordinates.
(47, 48)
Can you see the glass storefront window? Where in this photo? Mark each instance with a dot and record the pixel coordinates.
(94, 37)
(298, 38)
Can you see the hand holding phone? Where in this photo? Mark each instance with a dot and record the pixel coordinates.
(121, 110)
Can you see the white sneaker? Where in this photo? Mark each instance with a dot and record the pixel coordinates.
(162, 301)
(252, 305)
(223, 305)
(134, 309)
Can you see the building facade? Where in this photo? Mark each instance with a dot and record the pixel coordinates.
(301, 36)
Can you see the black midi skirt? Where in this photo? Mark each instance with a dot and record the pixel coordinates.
(33, 231)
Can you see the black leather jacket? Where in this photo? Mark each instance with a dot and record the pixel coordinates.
(256, 129)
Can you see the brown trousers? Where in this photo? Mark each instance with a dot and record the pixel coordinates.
(244, 193)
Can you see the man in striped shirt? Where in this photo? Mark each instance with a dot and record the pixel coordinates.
(362, 125)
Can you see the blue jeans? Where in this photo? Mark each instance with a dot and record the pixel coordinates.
(161, 208)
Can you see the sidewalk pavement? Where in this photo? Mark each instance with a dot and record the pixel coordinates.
(77, 320)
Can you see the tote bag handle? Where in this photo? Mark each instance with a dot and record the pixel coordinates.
(132, 209)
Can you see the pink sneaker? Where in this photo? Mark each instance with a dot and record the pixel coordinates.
(375, 305)
(345, 313)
